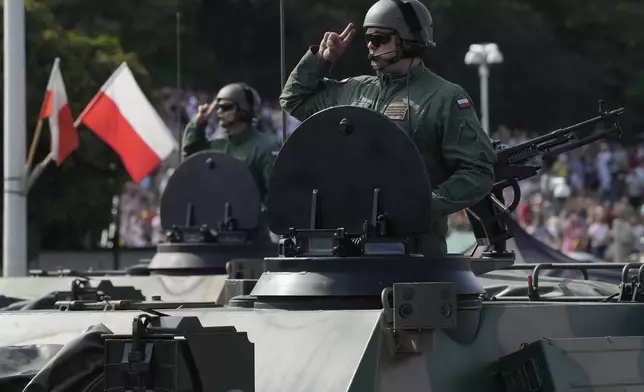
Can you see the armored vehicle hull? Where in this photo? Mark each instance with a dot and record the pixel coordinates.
(359, 349)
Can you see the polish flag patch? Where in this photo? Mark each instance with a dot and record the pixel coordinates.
(463, 103)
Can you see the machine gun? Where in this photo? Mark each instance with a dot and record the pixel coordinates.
(513, 165)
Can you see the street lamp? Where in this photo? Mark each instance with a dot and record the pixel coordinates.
(484, 55)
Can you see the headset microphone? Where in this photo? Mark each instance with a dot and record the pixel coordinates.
(373, 56)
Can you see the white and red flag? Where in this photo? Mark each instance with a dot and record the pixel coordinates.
(463, 103)
(122, 116)
(55, 107)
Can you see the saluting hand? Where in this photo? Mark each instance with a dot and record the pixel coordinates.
(204, 111)
(334, 44)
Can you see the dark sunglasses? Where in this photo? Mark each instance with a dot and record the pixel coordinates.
(379, 38)
(225, 106)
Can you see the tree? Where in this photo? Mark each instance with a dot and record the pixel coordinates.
(148, 28)
(68, 202)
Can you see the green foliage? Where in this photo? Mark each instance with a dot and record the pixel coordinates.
(73, 201)
(560, 57)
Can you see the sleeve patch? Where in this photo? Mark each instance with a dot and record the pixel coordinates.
(463, 103)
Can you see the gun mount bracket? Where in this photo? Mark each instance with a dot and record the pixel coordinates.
(372, 240)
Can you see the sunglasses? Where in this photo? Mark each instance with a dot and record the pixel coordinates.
(226, 106)
(379, 38)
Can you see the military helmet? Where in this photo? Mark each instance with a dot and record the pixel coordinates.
(246, 97)
(409, 18)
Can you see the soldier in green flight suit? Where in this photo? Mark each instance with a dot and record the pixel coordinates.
(438, 115)
(235, 105)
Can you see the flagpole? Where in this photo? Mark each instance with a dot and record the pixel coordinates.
(33, 175)
(38, 131)
(34, 144)
(14, 233)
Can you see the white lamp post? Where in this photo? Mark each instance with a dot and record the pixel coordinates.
(484, 55)
(14, 252)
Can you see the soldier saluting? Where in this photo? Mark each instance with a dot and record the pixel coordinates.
(438, 115)
(235, 105)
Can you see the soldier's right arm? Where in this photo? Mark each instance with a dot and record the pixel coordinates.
(194, 138)
(307, 90)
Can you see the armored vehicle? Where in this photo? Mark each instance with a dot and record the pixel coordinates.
(347, 304)
(211, 211)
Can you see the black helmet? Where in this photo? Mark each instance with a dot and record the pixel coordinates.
(409, 18)
(246, 97)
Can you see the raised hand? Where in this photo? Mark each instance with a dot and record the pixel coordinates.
(333, 44)
(204, 111)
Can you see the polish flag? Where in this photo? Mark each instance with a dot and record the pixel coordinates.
(55, 107)
(122, 116)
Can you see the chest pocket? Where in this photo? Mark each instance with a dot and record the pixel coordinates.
(399, 112)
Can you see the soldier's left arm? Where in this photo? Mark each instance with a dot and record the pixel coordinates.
(467, 152)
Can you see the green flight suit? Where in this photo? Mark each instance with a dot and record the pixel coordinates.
(254, 148)
(449, 136)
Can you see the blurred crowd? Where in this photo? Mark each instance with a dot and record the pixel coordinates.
(139, 221)
(589, 200)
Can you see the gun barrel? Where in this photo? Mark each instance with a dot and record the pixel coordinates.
(602, 117)
(581, 142)
(562, 131)
(532, 147)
